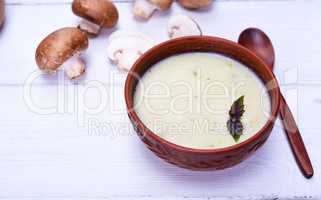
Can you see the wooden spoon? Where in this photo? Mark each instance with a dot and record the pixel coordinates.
(259, 43)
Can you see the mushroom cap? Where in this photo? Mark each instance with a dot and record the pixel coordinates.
(101, 12)
(1, 12)
(162, 4)
(195, 4)
(59, 46)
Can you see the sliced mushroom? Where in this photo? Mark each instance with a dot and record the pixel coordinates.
(62, 49)
(1, 12)
(181, 25)
(125, 47)
(96, 14)
(195, 4)
(144, 9)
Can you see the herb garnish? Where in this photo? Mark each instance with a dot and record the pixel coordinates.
(234, 124)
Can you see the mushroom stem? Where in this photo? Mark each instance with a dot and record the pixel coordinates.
(144, 9)
(89, 27)
(74, 67)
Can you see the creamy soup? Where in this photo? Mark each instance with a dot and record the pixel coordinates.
(186, 99)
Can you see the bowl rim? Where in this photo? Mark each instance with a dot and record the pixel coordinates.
(134, 117)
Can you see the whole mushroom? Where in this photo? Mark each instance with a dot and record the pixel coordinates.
(144, 9)
(125, 47)
(62, 49)
(1, 12)
(96, 14)
(195, 4)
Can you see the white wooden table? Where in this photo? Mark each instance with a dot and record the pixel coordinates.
(65, 140)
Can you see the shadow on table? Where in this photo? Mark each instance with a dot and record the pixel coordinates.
(252, 167)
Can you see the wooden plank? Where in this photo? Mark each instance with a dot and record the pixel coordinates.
(37, 2)
(45, 153)
(26, 26)
(49, 2)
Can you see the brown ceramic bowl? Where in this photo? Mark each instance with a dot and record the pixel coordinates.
(200, 159)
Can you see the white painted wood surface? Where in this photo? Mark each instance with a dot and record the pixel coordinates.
(54, 153)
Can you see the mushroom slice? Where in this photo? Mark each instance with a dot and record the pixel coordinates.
(91, 29)
(144, 9)
(1, 12)
(181, 25)
(195, 4)
(96, 14)
(62, 49)
(125, 47)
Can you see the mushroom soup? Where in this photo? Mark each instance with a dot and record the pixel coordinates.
(188, 99)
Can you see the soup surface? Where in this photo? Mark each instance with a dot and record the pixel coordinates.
(186, 99)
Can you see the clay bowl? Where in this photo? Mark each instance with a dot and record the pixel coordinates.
(200, 159)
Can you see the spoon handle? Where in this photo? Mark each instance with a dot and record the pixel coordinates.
(295, 139)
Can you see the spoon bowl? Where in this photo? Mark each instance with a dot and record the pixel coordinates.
(258, 42)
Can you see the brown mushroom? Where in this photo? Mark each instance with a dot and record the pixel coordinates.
(195, 4)
(62, 49)
(144, 9)
(1, 12)
(96, 14)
